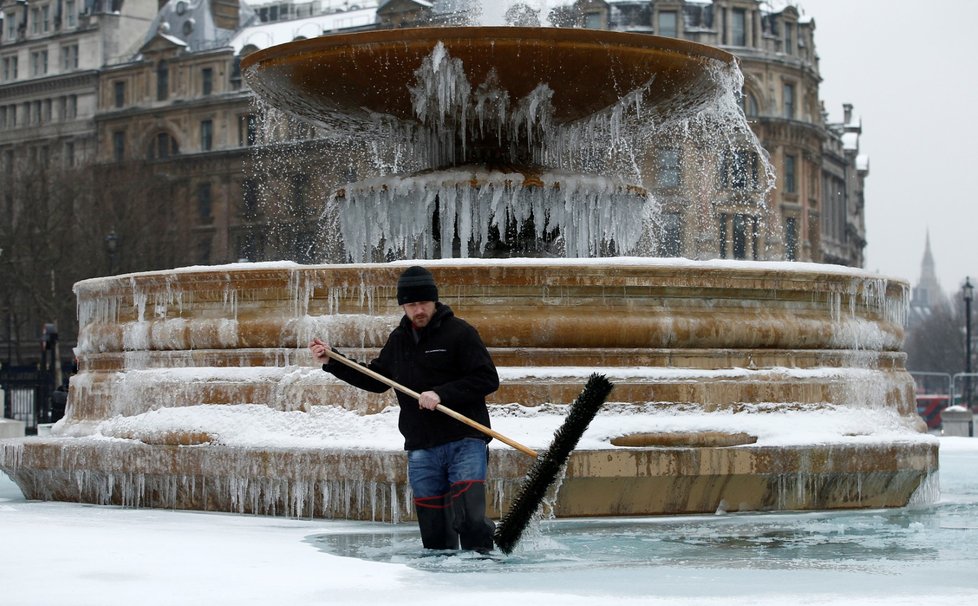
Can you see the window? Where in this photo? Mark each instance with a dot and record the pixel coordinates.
(668, 168)
(723, 235)
(593, 20)
(71, 107)
(750, 105)
(789, 100)
(10, 19)
(119, 145)
(69, 57)
(739, 169)
(249, 200)
(207, 80)
(251, 245)
(9, 67)
(206, 135)
(46, 111)
(119, 93)
(671, 237)
(46, 18)
(163, 147)
(71, 13)
(790, 185)
(204, 250)
(35, 20)
(744, 236)
(11, 22)
(791, 239)
(69, 157)
(299, 190)
(162, 81)
(204, 203)
(739, 27)
(39, 63)
(668, 24)
(789, 30)
(247, 130)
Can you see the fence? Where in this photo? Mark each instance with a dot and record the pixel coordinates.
(26, 394)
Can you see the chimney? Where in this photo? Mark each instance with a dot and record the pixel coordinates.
(847, 108)
(225, 13)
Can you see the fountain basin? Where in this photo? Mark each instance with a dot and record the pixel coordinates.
(805, 358)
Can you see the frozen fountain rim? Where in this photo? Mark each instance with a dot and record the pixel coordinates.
(710, 269)
(335, 74)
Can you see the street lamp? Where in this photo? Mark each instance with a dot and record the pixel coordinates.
(111, 245)
(969, 293)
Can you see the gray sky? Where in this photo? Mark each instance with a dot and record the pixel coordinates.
(909, 70)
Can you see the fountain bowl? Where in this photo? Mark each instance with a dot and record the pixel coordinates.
(350, 77)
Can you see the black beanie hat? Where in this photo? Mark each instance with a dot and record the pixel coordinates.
(416, 284)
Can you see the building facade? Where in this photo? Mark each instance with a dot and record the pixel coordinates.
(148, 99)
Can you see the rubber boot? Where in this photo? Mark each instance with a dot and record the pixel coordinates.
(436, 526)
(470, 522)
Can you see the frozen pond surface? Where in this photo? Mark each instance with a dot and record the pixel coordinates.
(58, 553)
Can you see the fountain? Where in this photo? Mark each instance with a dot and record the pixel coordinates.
(739, 385)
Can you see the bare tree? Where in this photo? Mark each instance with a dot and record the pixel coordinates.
(520, 14)
(566, 15)
(935, 343)
(57, 219)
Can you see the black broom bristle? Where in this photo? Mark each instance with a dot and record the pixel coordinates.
(547, 467)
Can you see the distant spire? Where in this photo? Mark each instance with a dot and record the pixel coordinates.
(928, 289)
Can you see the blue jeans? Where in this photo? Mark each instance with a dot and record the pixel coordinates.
(433, 471)
(450, 495)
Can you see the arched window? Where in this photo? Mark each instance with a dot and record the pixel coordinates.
(750, 105)
(162, 147)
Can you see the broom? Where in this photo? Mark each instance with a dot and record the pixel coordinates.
(547, 466)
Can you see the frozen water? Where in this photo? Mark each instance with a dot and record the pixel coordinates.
(57, 553)
(411, 167)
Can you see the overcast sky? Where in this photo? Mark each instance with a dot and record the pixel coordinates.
(909, 70)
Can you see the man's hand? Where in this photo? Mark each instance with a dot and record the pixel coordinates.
(319, 349)
(429, 400)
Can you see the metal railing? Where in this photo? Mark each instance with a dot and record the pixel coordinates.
(24, 396)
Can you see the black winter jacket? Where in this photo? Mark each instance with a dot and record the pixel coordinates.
(450, 359)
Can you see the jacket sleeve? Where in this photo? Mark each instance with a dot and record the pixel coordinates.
(478, 377)
(356, 378)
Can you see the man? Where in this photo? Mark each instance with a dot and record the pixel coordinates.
(442, 358)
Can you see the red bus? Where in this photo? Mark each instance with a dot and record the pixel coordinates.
(929, 406)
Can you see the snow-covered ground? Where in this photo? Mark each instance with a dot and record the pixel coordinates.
(61, 553)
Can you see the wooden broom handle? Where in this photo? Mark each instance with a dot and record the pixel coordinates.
(448, 411)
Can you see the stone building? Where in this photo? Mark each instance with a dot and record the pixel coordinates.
(149, 98)
(51, 55)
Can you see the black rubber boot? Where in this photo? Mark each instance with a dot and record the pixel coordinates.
(469, 509)
(436, 527)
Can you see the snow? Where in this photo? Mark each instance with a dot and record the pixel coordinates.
(249, 425)
(787, 267)
(265, 35)
(60, 553)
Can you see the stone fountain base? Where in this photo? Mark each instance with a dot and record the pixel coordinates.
(720, 370)
(372, 485)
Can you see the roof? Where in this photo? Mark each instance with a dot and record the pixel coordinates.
(264, 35)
